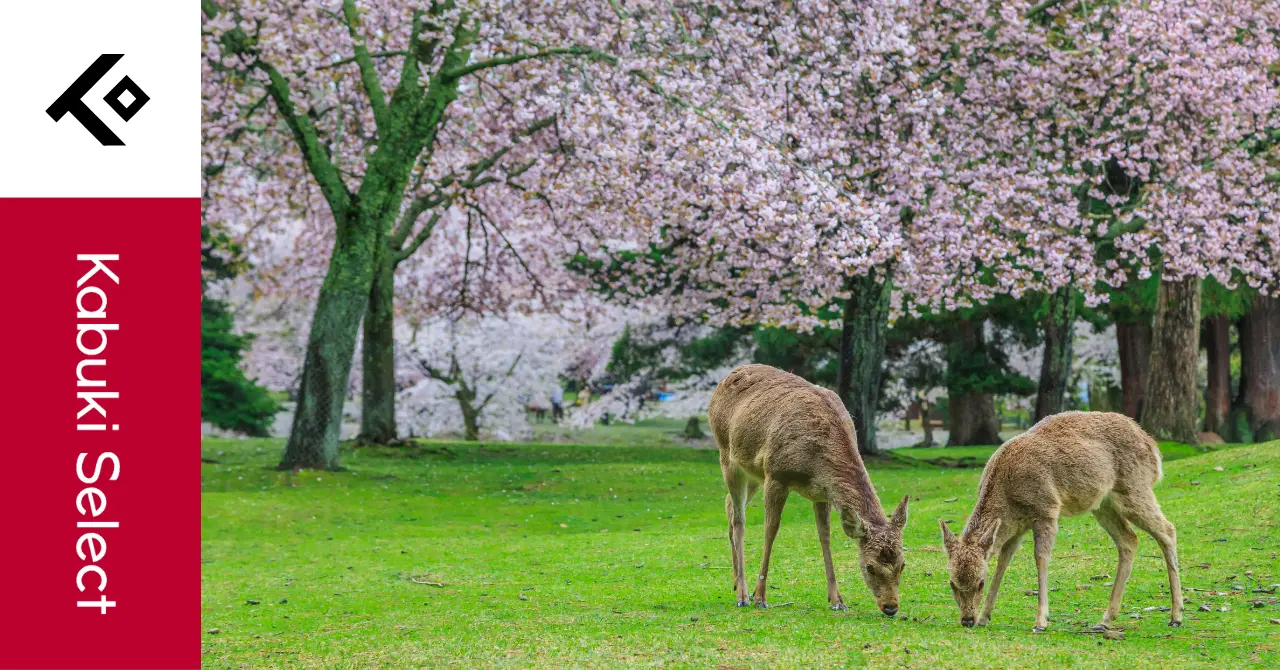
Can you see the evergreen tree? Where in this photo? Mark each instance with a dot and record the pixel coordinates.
(228, 399)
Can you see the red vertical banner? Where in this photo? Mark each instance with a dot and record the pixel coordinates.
(102, 354)
(99, 263)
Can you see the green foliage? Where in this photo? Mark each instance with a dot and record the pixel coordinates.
(984, 371)
(1135, 301)
(814, 356)
(553, 555)
(228, 399)
(1218, 300)
(670, 355)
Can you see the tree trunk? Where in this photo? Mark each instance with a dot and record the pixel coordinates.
(693, 429)
(972, 412)
(326, 369)
(1134, 344)
(1256, 417)
(924, 423)
(862, 343)
(378, 390)
(1236, 428)
(973, 420)
(1055, 366)
(1217, 395)
(470, 418)
(1169, 408)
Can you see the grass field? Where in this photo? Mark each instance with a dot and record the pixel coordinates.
(559, 555)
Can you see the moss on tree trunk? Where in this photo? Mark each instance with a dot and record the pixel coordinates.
(862, 345)
(378, 388)
(1170, 403)
(313, 439)
(1055, 365)
(1217, 395)
(1134, 345)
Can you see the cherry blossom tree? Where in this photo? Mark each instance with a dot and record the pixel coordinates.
(859, 156)
(339, 109)
(800, 164)
(951, 151)
(476, 375)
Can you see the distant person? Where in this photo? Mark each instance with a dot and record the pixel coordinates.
(557, 404)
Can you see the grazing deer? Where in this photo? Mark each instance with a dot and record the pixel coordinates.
(1066, 465)
(778, 431)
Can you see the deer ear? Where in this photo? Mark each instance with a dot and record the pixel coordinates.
(853, 525)
(988, 539)
(948, 537)
(899, 519)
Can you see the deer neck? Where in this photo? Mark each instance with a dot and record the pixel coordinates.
(985, 512)
(852, 491)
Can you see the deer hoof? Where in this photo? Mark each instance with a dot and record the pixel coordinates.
(743, 603)
(839, 607)
(1099, 628)
(1175, 624)
(1038, 629)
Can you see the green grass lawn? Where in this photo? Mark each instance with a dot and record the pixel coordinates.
(558, 555)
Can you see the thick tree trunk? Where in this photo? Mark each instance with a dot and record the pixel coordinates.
(972, 413)
(862, 343)
(1134, 344)
(1256, 417)
(378, 390)
(1055, 366)
(1217, 395)
(973, 420)
(326, 369)
(1169, 407)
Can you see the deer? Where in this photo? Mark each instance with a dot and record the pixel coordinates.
(777, 432)
(1064, 466)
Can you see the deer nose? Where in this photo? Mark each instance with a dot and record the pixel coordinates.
(890, 610)
(967, 622)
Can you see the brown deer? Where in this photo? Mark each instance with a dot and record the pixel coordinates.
(1066, 465)
(778, 431)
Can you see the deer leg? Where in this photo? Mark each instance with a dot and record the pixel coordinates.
(1143, 510)
(775, 496)
(822, 513)
(735, 507)
(1044, 532)
(1007, 551)
(1126, 547)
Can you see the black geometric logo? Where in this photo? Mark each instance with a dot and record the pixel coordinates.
(70, 100)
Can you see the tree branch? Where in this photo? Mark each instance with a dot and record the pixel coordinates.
(352, 59)
(432, 372)
(368, 73)
(308, 139)
(418, 239)
(532, 277)
(459, 72)
(477, 168)
(1040, 8)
